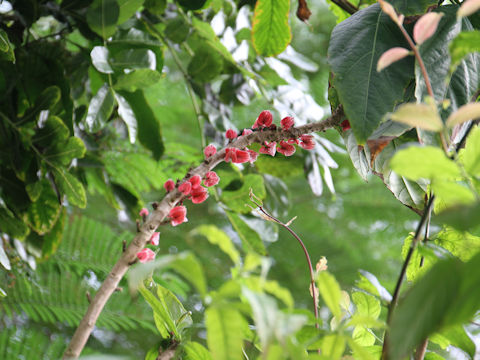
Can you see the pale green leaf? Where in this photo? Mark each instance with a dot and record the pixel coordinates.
(330, 292)
(362, 336)
(99, 56)
(225, 327)
(464, 43)
(333, 346)
(471, 156)
(467, 112)
(218, 237)
(100, 109)
(137, 79)
(251, 241)
(128, 117)
(418, 115)
(196, 351)
(366, 304)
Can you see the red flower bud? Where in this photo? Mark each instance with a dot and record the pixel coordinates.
(185, 188)
(230, 154)
(195, 181)
(178, 215)
(209, 151)
(307, 142)
(265, 119)
(241, 156)
(169, 185)
(253, 156)
(199, 194)
(287, 123)
(211, 179)
(155, 238)
(345, 125)
(269, 149)
(286, 149)
(143, 212)
(145, 255)
(231, 134)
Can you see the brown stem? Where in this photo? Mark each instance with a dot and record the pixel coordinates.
(345, 5)
(146, 230)
(421, 350)
(305, 251)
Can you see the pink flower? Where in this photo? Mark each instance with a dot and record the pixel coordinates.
(293, 141)
(185, 188)
(345, 125)
(287, 123)
(286, 149)
(178, 215)
(143, 212)
(269, 149)
(307, 142)
(242, 156)
(211, 179)
(145, 255)
(230, 154)
(246, 132)
(209, 151)
(169, 185)
(195, 181)
(253, 156)
(199, 194)
(154, 238)
(231, 134)
(265, 119)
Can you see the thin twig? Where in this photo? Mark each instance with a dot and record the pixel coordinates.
(305, 251)
(346, 5)
(157, 217)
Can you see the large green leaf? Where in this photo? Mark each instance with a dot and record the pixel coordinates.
(100, 109)
(237, 199)
(270, 29)
(196, 351)
(137, 80)
(130, 59)
(128, 117)
(42, 215)
(127, 9)
(71, 187)
(63, 153)
(250, 239)
(464, 43)
(225, 328)
(330, 291)
(412, 7)
(149, 132)
(102, 17)
(218, 237)
(53, 131)
(206, 64)
(355, 47)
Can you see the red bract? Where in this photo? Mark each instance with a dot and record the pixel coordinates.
(307, 142)
(286, 149)
(211, 178)
(242, 156)
(293, 141)
(169, 185)
(209, 151)
(154, 238)
(345, 125)
(185, 188)
(143, 212)
(231, 134)
(178, 215)
(230, 154)
(265, 119)
(287, 123)
(199, 194)
(269, 149)
(145, 255)
(253, 156)
(195, 181)
(246, 132)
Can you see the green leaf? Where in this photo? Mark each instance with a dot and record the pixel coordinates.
(367, 305)
(330, 291)
(426, 162)
(271, 76)
(362, 336)
(270, 29)
(218, 237)
(190, 268)
(177, 30)
(130, 59)
(52, 240)
(196, 351)
(419, 115)
(42, 215)
(206, 64)
(53, 131)
(412, 7)
(225, 327)
(333, 346)
(465, 113)
(461, 244)
(128, 116)
(137, 80)
(71, 187)
(463, 44)
(12, 225)
(64, 153)
(355, 47)
(99, 56)
(250, 239)
(127, 9)
(192, 4)
(461, 217)
(102, 17)
(149, 132)
(100, 109)
(47, 99)
(6, 47)
(237, 199)
(471, 156)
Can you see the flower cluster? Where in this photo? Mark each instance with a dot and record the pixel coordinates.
(147, 254)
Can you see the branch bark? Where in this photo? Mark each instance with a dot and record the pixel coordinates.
(346, 5)
(109, 285)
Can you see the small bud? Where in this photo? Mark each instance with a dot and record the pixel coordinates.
(154, 239)
(169, 185)
(286, 149)
(145, 255)
(143, 212)
(209, 151)
(307, 142)
(231, 134)
(426, 27)
(178, 215)
(390, 56)
(211, 179)
(199, 194)
(195, 181)
(345, 125)
(287, 123)
(185, 188)
(241, 156)
(265, 119)
(269, 148)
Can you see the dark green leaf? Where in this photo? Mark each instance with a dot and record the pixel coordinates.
(102, 17)
(42, 215)
(11, 225)
(237, 199)
(100, 109)
(6, 47)
(64, 153)
(206, 64)
(412, 7)
(127, 9)
(458, 337)
(270, 29)
(355, 47)
(192, 4)
(177, 30)
(130, 59)
(45, 101)
(137, 80)
(149, 132)
(71, 187)
(52, 240)
(250, 239)
(53, 131)
(461, 217)
(156, 7)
